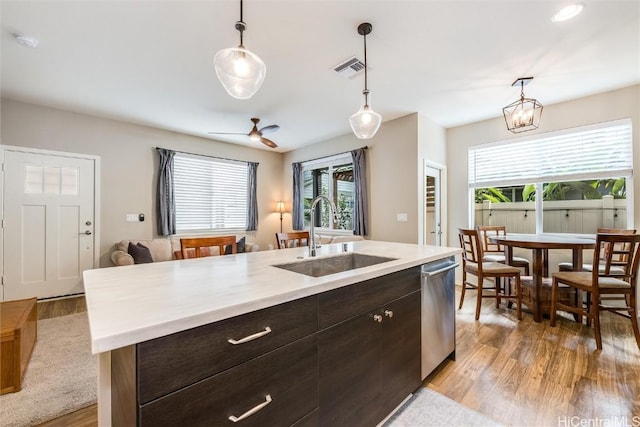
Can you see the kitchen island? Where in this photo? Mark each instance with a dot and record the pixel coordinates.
(149, 323)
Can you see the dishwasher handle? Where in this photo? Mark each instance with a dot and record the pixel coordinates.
(440, 271)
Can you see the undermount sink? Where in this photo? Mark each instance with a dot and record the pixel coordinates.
(318, 267)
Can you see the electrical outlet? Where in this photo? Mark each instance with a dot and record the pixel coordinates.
(402, 217)
(132, 217)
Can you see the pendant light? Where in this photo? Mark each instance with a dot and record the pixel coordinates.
(524, 114)
(240, 71)
(366, 122)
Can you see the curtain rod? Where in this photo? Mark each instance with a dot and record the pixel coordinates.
(205, 155)
(331, 155)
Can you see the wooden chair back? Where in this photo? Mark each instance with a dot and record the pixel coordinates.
(471, 246)
(199, 247)
(619, 250)
(487, 231)
(292, 240)
(620, 258)
(472, 263)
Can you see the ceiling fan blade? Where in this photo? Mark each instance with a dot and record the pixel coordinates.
(226, 133)
(268, 142)
(269, 129)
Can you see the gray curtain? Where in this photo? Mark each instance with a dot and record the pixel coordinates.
(361, 210)
(166, 203)
(297, 210)
(252, 197)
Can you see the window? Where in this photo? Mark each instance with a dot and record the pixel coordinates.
(331, 177)
(210, 193)
(581, 176)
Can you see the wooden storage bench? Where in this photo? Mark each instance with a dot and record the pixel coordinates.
(19, 330)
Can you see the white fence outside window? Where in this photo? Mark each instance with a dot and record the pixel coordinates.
(566, 216)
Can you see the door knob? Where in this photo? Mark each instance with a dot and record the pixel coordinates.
(388, 313)
(88, 233)
(377, 318)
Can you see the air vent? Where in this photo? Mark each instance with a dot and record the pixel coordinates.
(349, 68)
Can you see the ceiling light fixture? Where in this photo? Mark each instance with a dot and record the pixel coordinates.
(366, 122)
(26, 41)
(525, 113)
(240, 71)
(568, 12)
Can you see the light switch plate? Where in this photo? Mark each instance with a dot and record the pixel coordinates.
(402, 217)
(132, 217)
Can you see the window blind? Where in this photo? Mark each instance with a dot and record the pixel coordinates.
(602, 150)
(210, 193)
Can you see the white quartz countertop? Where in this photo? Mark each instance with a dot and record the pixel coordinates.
(131, 304)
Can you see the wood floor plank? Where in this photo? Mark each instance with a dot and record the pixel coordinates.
(544, 374)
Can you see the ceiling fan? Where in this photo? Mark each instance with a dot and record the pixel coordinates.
(255, 134)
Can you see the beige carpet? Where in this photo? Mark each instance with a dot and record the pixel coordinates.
(427, 408)
(60, 378)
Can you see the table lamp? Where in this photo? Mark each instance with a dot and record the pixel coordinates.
(281, 210)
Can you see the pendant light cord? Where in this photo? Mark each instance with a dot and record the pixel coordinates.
(366, 90)
(242, 25)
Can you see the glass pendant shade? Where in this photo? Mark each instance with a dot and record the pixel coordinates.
(240, 71)
(365, 123)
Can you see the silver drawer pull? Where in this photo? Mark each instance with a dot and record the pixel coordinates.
(257, 335)
(251, 411)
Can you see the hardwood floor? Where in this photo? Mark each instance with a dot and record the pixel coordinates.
(61, 307)
(85, 417)
(527, 373)
(518, 373)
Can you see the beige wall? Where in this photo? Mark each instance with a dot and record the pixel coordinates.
(614, 105)
(392, 172)
(395, 162)
(128, 165)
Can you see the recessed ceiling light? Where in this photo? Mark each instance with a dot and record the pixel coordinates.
(568, 12)
(26, 41)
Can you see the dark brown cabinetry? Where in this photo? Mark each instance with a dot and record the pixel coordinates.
(344, 357)
(169, 363)
(283, 384)
(370, 363)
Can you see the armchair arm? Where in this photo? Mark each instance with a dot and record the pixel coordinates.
(121, 258)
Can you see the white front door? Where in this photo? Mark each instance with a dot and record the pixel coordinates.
(49, 223)
(432, 213)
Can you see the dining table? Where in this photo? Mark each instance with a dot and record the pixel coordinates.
(540, 244)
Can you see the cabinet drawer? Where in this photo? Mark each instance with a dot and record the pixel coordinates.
(343, 303)
(288, 375)
(169, 363)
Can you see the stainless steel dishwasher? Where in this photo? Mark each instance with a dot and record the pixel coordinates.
(438, 313)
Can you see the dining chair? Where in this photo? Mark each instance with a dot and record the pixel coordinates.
(603, 284)
(292, 240)
(493, 251)
(472, 263)
(199, 247)
(568, 266)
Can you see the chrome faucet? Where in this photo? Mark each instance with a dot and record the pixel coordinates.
(336, 218)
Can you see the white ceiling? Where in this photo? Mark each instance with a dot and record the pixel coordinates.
(151, 62)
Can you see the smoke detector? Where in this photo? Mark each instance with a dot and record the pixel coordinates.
(349, 68)
(26, 41)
